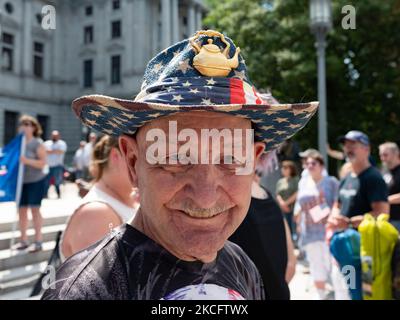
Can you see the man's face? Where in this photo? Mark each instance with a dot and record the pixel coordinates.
(388, 157)
(190, 209)
(55, 135)
(92, 138)
(355, 151)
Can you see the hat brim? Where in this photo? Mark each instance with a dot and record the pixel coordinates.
(273, 123)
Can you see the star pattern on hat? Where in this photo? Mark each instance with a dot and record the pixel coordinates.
(177, 98)
(157, 67)
(95, 113)
(280, 120)
(206, 102)
(172, 84)
(184, 66)
(240, 74)
(211, 82)
(176, 53)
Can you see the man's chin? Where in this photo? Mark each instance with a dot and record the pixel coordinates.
(203, 247)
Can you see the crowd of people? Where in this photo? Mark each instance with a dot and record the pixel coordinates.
(324, 204)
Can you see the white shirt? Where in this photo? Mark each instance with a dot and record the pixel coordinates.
(79, 159)
(54, 160)
(87, 153)
(125, 213)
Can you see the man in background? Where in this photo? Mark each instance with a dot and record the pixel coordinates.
(55, 149)
(390, 157)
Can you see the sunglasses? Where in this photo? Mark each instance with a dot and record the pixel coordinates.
(311, 163)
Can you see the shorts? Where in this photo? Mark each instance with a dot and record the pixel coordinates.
(319, 257)
(32, 193)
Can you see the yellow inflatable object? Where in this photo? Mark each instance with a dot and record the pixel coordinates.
(378, 238)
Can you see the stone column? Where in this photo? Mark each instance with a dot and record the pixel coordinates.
(199, 16)
(175, 21)
(166, 23)
(191, 20)
(141, 34)
(27, 45)
(101, 61)
(155, 20)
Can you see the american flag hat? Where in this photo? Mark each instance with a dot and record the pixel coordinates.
(172, 84)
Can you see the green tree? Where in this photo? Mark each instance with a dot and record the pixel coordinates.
(363, 65)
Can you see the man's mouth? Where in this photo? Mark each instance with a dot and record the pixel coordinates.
(350, 154)
(204, 213)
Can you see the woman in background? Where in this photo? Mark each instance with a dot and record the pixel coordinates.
(34, 182)
(111, 201)
(286, 192)
(265, 237)
(316, 197)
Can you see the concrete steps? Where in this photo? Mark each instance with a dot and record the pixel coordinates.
(49, 233)
(10, 259)
(16, 294)
(19, 270)
(50, 221)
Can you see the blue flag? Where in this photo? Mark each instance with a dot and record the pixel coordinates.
(10, 171)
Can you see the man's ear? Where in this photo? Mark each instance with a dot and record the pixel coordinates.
(130, 150)
(259, 148)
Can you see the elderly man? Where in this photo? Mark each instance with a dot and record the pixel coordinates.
(390, 156)
(194, 192)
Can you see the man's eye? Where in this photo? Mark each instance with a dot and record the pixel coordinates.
(173, 157)
(231, 162)
(177, 158)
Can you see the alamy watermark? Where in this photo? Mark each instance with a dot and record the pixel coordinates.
(48, 18)
(189, 146)
(349, 20)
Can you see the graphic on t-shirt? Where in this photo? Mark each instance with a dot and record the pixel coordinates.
(127, 265)
(204, 291)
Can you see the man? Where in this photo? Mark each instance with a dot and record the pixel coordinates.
(363, 190)
(193, 194)
(79, 160)
(55, 149)
(390, 157)
(87, 155)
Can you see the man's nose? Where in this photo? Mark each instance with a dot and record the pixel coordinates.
(204, 185)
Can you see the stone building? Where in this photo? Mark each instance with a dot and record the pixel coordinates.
(97, 46)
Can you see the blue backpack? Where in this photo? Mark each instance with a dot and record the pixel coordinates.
(345, 248)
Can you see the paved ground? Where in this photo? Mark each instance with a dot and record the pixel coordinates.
(50, 207)
(301, 286)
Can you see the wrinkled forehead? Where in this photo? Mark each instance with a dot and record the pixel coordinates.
(196, 120)
(197, 128)
(387, 151)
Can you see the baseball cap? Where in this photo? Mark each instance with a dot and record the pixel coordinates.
(355, 135)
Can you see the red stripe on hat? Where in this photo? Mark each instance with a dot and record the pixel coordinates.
(258, 100)
(237, 92)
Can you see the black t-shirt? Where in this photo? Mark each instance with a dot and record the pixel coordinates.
(356, 193)
(262, 236)
(394, 187)
(128, 265)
